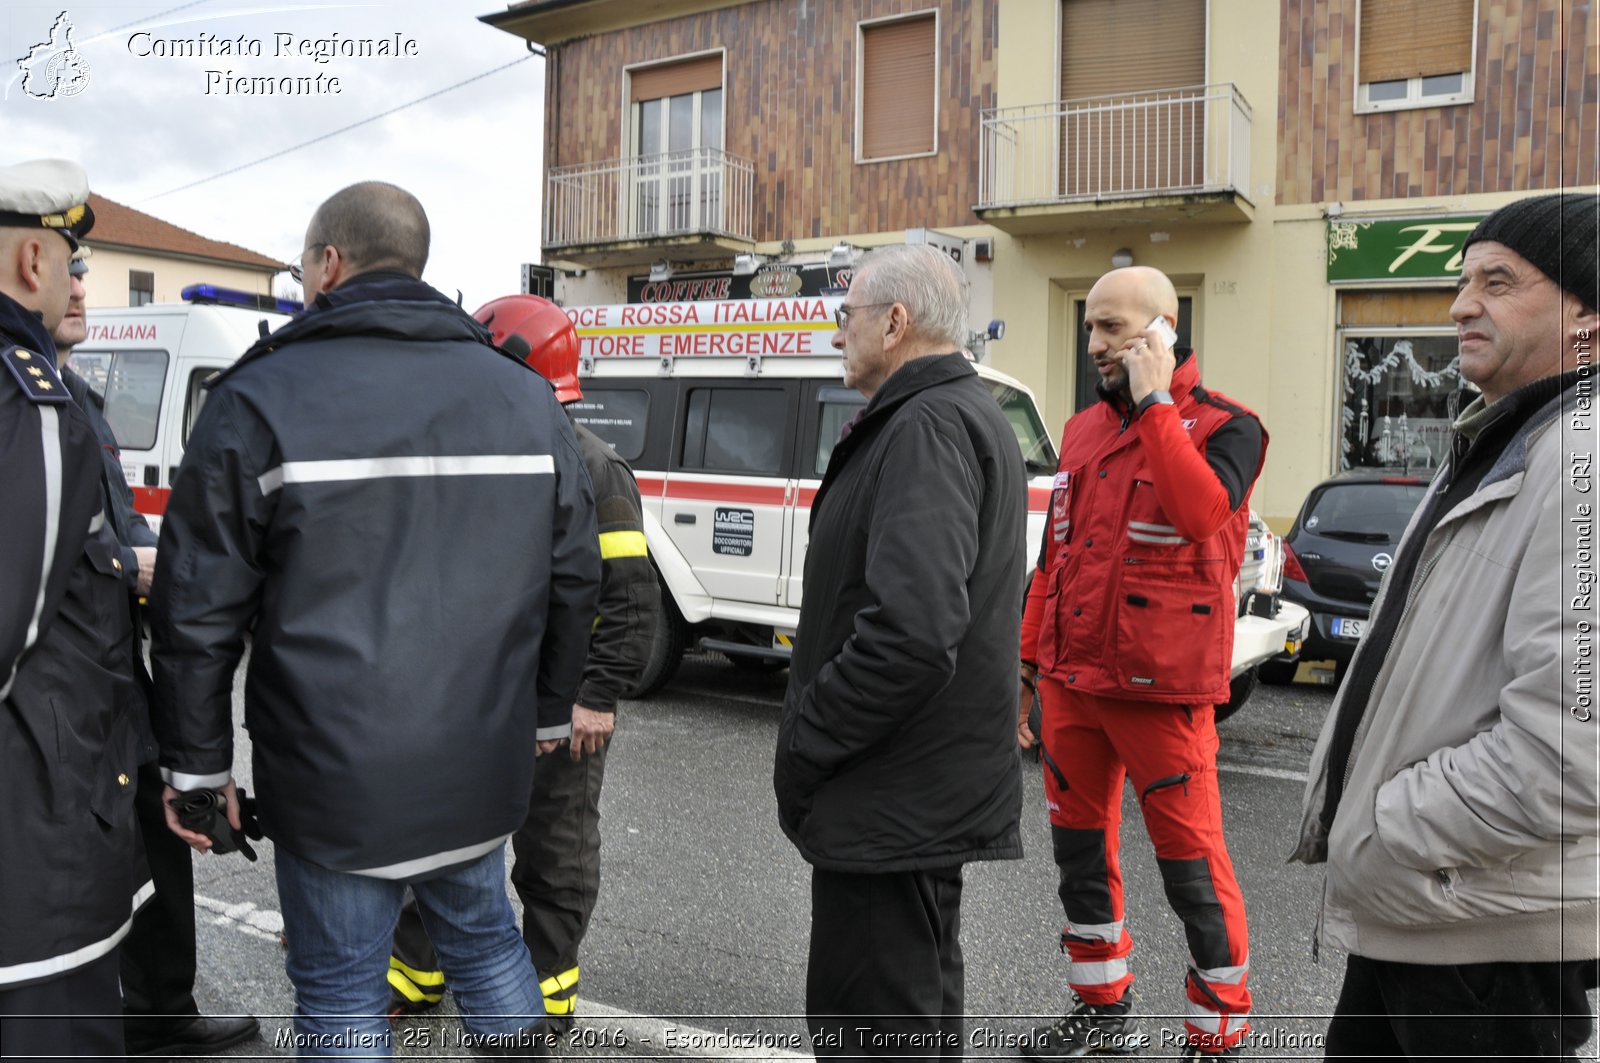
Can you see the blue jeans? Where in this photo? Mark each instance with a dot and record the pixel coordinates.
(340, 927)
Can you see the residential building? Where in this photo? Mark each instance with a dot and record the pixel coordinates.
(141, 259)
(1401, 125)
(722, 148)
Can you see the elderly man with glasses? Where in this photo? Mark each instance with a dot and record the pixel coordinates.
(895, 764)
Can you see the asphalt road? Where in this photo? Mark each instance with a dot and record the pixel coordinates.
(698, 945)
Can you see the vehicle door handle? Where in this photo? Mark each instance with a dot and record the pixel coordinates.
(152, 476)
(683, 518)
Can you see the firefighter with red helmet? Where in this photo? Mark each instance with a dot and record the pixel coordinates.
(557, 852)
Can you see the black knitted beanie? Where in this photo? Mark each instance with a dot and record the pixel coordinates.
(1557, 233)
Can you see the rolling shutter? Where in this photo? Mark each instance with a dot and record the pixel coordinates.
(897, 88)
(1415, 38)
(677, 79)
(1141, 52)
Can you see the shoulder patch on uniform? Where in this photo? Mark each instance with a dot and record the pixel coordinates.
(36, 373)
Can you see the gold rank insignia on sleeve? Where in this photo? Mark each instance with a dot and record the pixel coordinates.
(35, 374)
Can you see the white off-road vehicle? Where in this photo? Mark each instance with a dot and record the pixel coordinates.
(728, 411)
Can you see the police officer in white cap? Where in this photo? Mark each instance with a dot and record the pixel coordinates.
(158, 955)
(70, 872)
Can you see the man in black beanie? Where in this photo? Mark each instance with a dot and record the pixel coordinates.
(1453, 793)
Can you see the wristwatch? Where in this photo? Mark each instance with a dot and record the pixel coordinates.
(1155, 398)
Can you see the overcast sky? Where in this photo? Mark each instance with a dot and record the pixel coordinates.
(144, 123)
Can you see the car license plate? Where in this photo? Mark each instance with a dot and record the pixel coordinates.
(1346, 627)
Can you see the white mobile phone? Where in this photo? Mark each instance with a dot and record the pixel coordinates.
(1164, 330)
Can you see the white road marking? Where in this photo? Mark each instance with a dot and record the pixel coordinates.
(1268, 773)
(246, 918)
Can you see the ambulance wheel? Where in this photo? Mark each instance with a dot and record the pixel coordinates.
(1239, 690)
(666, 650)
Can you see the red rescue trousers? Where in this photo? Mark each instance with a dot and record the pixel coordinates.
(1169, 752)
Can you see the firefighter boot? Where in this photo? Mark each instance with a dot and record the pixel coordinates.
(560, 1001)
(1089, 1028)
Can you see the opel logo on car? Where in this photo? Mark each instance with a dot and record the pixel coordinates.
(1381, 561)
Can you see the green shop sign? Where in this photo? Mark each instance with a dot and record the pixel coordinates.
(1393, 249)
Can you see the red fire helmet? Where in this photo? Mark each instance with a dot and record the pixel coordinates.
(540, 333)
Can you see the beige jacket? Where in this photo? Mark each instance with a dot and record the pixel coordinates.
(1467, 829)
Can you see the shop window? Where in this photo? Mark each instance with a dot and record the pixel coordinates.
(897, 99)
(141, 287)
(1402, 392)
(1414, 53)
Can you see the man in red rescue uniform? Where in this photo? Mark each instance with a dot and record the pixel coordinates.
(1128, 638)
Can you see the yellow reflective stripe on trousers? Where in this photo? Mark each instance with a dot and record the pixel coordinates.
(622, 544)
(560, 983)
(411, 991)
(422, 978)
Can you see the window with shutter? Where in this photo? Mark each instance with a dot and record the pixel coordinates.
(677, 173)
(1129, 127)
(897, 97)
(1414, 53)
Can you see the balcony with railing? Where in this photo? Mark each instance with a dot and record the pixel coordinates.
(684, 204)
(1173, 155)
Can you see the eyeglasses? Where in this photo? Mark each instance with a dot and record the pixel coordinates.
(841, 314)
(296, 270)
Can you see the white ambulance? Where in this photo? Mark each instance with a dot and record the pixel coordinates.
(149, 362)
(727, 412)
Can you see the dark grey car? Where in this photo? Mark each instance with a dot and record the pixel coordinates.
(1335, 555)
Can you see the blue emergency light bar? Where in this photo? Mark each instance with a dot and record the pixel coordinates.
(212, 293)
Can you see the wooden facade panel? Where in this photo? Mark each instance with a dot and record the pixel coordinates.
(1531, 125)
(790, 98)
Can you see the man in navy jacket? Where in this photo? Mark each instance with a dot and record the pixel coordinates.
(396, 514)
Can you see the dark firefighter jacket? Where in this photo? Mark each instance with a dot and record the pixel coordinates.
(630, 596)
(397, 514)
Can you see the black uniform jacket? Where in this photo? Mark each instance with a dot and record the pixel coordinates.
(398, 515)
(897, 749)
(71, 872)
(630, 594)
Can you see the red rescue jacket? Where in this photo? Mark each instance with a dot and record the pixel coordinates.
(1134, 593)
